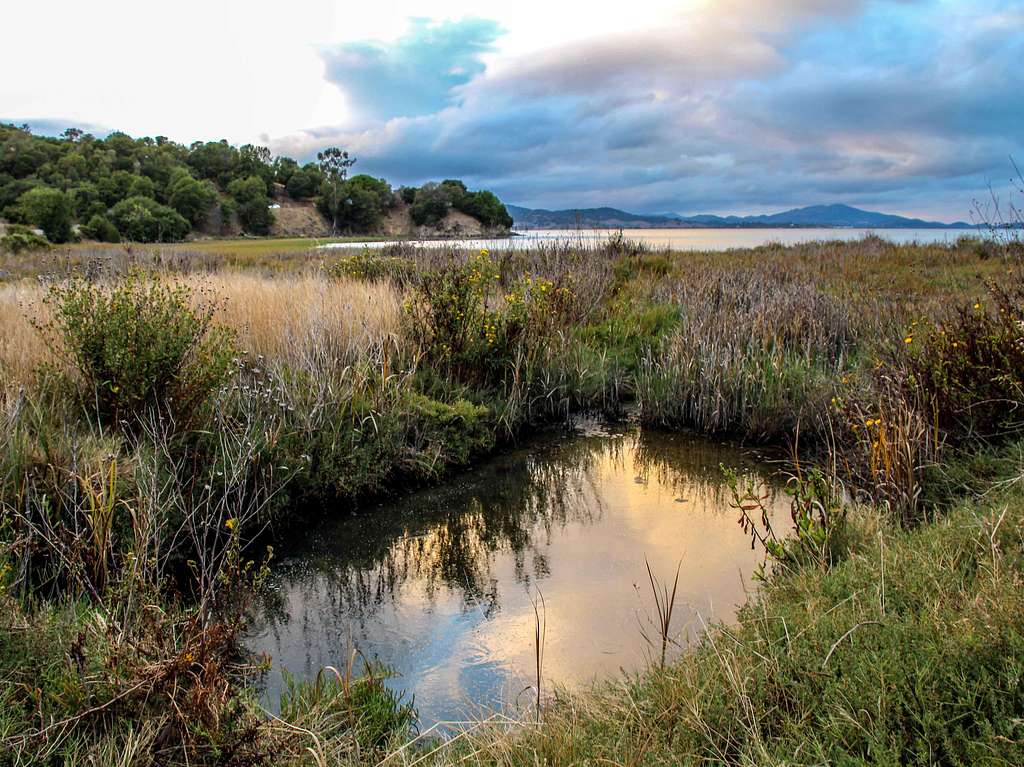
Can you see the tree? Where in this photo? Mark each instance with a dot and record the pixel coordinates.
(364, 202)
(49, 209)
(334, 164)
(255, 161)
(302, 184)
(143, 219)
(253, 205)
(486, 208)
(431, 204)
(191, 197)
(284, 167)
(100, 229)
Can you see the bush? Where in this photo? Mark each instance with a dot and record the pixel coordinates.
(20, 239)
(139, 346)
(100, 229)
(968, 371)
(372, 268)
(144, 220)
(463, 323)
(49, 209)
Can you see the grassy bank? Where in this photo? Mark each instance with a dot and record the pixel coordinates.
(163, 409)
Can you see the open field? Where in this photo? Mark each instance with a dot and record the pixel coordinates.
(162, 408)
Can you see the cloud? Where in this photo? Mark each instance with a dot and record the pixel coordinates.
(415, 75)
(909, 106)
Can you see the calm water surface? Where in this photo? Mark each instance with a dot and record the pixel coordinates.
(438, 584)
(685, 239)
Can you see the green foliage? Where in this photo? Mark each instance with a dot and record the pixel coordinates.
(144, 220)
(20, 239)
(253, 204)
(467, 326)
(333, 163)
(49, 209)
(968, 370)
(190, 197)
(139, 345)
(486, 208)
(303, 184)
(100, 228)
(372, 267)
(818, 537)
(430, 205)
(361, 707)
(450, 435)
(99, 174)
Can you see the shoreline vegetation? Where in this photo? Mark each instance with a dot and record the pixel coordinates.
(76, 187)
(167, 410)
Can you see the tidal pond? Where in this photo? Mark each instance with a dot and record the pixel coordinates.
(440, 584)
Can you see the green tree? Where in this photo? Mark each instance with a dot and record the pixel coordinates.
(100, 229)
(334, 164)
(191, 197)
(284, 167)
(431, 204)
(302, 184)
(143, 219)
(253, 204)
(364, 201)
(49, 209)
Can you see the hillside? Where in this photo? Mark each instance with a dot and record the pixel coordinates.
(117, 188)
(811, 216)
(300, 218)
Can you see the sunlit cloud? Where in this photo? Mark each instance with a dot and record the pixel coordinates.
(679, 106)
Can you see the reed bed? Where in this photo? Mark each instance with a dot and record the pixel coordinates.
(281, 317)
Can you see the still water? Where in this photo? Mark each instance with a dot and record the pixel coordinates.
(440, 584)
(684, 239)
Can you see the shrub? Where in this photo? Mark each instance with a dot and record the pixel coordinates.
(471, 330)
(372, 268)
(969, 369)
(139, 346)
(448, 435)
(144, 220)
(100, 229)
(20, 239)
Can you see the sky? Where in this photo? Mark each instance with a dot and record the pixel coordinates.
(729, 106)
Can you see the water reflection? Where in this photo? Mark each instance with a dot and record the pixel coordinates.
(438, 583)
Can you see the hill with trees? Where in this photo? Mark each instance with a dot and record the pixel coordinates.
(156, 190)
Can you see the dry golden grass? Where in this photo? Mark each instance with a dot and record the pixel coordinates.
(279, 317)
(21, 348)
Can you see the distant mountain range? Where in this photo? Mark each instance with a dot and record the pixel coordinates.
(811, 216)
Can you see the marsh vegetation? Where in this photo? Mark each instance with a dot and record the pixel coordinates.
(166, 415)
